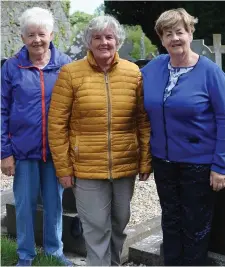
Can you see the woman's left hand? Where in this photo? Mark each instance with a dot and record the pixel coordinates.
(217, 181)
(143, 176)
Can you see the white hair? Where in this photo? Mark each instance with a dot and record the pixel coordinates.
(99, 24)
(36, 16)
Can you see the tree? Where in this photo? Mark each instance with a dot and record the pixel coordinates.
(66, 7)
(80, 19)
(100, 10)
(134, 34)
(145, 13)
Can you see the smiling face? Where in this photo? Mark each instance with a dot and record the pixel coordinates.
(177, 40)
(37, 40)
(103, 45)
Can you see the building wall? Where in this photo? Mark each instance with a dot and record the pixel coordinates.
(10, 31)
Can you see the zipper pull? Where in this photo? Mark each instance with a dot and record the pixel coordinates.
(106, 78)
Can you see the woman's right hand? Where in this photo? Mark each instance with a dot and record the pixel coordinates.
(8, 166)
(66, 181)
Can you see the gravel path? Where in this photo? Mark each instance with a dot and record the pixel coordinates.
(144, 204)
(145, 201)
(6, 182)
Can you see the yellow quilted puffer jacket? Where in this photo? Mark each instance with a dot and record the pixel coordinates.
(97, 125)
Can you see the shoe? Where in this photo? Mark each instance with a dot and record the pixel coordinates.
(24, 262)
(64, 260)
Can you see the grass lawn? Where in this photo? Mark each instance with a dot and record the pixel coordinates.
(9, 256)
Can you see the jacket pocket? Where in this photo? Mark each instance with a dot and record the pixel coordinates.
(76, 148)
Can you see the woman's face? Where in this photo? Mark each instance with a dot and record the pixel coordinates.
(103, 45)
(37, 40)
(177, 40)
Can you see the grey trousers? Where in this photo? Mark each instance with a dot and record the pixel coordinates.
(104, 209)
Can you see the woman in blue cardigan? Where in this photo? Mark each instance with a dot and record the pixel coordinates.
(184, 95)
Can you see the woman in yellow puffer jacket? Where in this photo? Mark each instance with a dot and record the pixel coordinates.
(99, 133)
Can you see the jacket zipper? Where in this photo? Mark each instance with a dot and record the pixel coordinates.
(109, 125)
(165, 131)
(43, 116)
(164, 122)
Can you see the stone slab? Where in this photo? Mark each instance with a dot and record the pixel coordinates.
(149, 251)
(77, 245)
(68, 201)
(217, 242)
(139, 232)
(7, 197)
(71, 244)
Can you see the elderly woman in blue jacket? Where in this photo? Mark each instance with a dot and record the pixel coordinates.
(27, 81)
(184, 96)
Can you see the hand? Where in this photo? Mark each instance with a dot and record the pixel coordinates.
(66, 181)
(143, 176)
(8, 166)
(217, 181)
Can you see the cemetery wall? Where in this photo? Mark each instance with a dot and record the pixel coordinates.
(10, 31)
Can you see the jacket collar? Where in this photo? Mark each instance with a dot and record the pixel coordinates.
(23, 58)
(93, 63)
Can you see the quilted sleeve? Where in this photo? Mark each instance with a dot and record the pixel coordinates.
(58, 123)
(143, 126)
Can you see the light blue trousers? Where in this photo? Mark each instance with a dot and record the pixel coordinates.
(33, 177)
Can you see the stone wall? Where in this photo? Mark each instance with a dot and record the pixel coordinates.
(10, 31)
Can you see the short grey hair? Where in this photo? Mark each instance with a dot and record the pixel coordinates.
(36, 16)
(99, 24)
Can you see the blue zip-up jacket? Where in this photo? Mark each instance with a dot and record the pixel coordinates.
(25, 98)
(190, 125)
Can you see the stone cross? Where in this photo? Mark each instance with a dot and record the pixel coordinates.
(199, 47)
(218, 49)
(213, 52)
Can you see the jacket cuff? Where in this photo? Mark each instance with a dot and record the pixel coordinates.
(65, 172)
(217, 169)
(6, 151)
(145, 169)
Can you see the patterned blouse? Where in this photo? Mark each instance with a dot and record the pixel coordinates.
(175, 73)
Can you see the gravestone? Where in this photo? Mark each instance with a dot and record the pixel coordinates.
(78, 51)
(217, 242)
(218, 49)
(213, 52)
(72, 229)
(3, 60)
(199, 47)
(125, 51)
(142, 62)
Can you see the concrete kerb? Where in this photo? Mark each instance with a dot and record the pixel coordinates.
(134, 233)
(139, 232)
(7, 197)
(149, 252)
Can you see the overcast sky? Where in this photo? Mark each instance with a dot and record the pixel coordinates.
(87, 6)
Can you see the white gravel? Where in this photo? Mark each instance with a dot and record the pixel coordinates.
(6, 182)
(144, 204)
